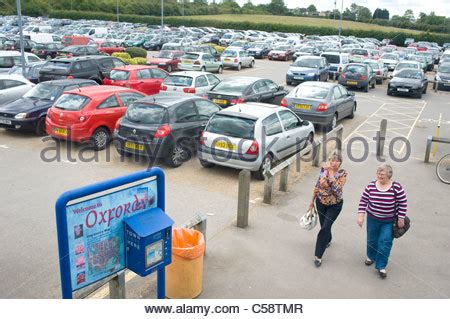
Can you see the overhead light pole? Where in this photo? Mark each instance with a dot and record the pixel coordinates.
(117, 10)
(22, 54)
(340, 21)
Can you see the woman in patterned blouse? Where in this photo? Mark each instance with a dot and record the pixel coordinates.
(328, 198)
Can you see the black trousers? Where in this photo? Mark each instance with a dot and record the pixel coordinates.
(327, 216)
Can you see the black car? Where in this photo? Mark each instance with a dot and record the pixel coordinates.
(31, 70)
(78, 50)
(410, 82)
(88, 67)
(14, 44)
(240, 89)
(259, 50)
(442, 77)
(155, 43)
(164, 126)
(47, 50)
(28, 113)
(211, 38)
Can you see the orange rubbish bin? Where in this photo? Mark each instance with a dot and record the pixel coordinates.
(184, 276)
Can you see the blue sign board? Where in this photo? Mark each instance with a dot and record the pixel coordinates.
(91, 232)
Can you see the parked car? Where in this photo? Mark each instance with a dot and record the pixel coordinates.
(358, 75)
(240, 89)
(75, 40)
(442, 76)
(166, 60)
(227, 38)
(390, 60)
(110, 47)
(281, 52)
(155, 43)
(12, 87)
(305, 51)
(337, 61)
(190, 82)
(410, 82)
(421, 59)
(167, 125)
(78, 50)
(321, 103)
(89, 114)
(237, 59)
(205, 49)
(8, 59)
(28, 112)
(31, 71)
(198, 61)
(14, 44)
(88, 67)
(381, 71)
(259, 50)
(429, 59)
(253, 136)
(48, 50)
(359, 55)
(308, 68)
(406, 65)
(143, 78)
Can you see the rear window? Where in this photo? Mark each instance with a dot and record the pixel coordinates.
(119, 75)
(235, 86)
(355, 69)
(232, 126)
(190, 56)
(406, 66)
(359, 52)
(72, 102)
(229, 53)
(178, 80)
(311, 92)
(146, 113)
(58, 64)
(332, 58)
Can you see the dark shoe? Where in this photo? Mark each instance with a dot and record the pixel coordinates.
(382, 273)
(318, 262)
(368, 262)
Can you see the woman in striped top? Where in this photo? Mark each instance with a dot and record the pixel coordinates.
(383, 200)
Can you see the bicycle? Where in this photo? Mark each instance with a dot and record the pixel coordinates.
(443, 169)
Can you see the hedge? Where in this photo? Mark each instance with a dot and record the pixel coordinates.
(136, 52)
(121, 55)
(398, 37)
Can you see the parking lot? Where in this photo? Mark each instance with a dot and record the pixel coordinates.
(31, 185)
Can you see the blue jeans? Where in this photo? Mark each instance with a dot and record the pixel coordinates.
(379, 241)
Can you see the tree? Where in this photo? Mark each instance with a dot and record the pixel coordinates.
(277, 7)
(335, 14)
(312, 10)
(409, 14)
(381, 14)
(363, 14)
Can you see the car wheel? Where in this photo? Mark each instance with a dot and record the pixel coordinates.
(169, 68)
(203, 69)
(48, 57)
(389, 92)
(220, 70)
(123, 153)
(373, 84)
(425, 89)
(266, 165)
(100, 138)
(40, 127)
(206, 164)
(379, 81)
(366, 88)
(333, 123)
(288, 82)
(419, 95)
(177, 156)
(252, 65)
(239, 67)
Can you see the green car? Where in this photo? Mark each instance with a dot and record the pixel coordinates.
(137, 41)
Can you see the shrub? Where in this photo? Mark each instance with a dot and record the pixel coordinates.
(138, 61)
(121, 55)
(218, 48)
(136, 52)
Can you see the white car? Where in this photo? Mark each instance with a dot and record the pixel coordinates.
(8, 59)
(236, 58)
(190, 82)
(406, 65)
(390, 60)
(235, 137)
(13, 87)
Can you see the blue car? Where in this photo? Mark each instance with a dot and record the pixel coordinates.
(308, 68)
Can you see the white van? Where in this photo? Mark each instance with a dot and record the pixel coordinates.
(338, 61)
(33, 29)
(43, 38)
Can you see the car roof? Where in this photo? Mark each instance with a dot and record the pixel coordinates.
(14, 53)
(168, 100)
(67, 82)
(18, 77)
(82, 58)
(99, 90)
(190, 73)
(326, 85)
(252, 109)
(135, 67)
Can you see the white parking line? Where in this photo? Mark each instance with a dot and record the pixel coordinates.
(3, 146)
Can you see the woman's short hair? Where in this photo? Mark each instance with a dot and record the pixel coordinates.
(386, 168)
(335, 155)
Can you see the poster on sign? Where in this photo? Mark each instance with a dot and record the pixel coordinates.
(96, 231)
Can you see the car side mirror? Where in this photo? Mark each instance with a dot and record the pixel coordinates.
(280, 88)
(305, 123)
(350, 93)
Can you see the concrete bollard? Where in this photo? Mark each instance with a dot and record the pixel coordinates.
(381, 138)
(243, 199)
(117, 286)
(284, 178)
(268, 189)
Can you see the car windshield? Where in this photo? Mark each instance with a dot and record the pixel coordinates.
(227, 36)
(311, 92)
(332, 58)
(257, 45)
(281, 48)
(229, 53)
(119, 75)
(44, 91)
(178, 80)
(444, 69)
(233, 87)
(389, 57)
(373, 65)
(72, 102)
(307, 62)
(359, 52)
(409, 74)
(237, 44)
(406, 66)
(355, 69)
(146, 113)
(231, 126)
(306, 49)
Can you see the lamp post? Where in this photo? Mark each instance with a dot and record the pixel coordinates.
(162, 18)
(117, 10)
(22, 55)
(340, 21)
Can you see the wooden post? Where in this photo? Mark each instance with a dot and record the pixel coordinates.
(284, 178)
(268, 189)
(381, 137)
(243, 199)
(117, 286)
(339, 141)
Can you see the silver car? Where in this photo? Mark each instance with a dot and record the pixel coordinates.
(12, 87)
(381, 71)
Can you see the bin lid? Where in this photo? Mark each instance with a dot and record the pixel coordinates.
(149, 222)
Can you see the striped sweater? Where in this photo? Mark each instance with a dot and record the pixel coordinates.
(383, 205)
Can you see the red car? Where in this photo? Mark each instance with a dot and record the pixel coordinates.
(144, 78)
(166, 59)
(281, 52)
(89, 114)
(110, 47)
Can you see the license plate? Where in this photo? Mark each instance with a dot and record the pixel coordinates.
(227, 60)
(187, 62)
(446, 84)
(352, 83)
(225, 145)
(134, 146)
(60, 131)
(7, 122)
(220, 101)
(298, 77)
(402, 90)
(303, 106)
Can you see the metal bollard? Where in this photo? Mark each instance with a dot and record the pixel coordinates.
(381, 138)
(243, 199)
(117, 286)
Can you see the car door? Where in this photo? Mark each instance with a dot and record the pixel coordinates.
(186, 123)
(261, 93)
(339, 103)
(277, 91)
(347, 100)
(205, 109)
(295, 133)
(213, 80)
(144, 82)
(209, 63)
(201, 85)
(107, 113)
(12, 90)
(158, 77)
(273, 136)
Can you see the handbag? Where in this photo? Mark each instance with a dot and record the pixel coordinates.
(399, 232)
(309, 220)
